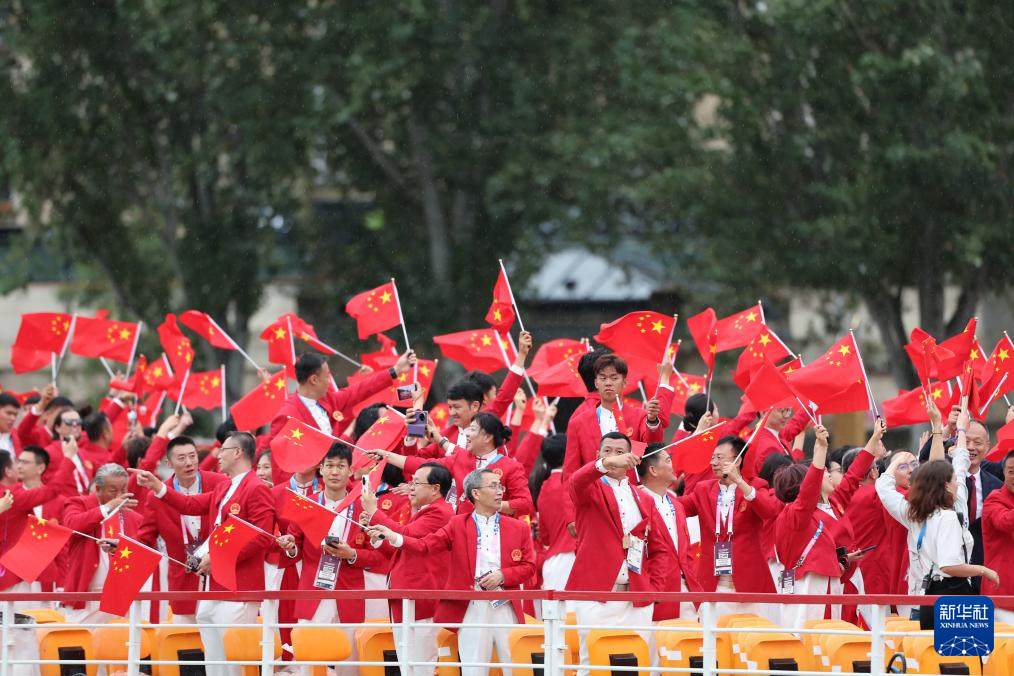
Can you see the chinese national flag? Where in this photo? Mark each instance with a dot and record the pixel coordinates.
(103, 338)
(228, 540)
(260, 404)
(25, 360)
(479, 349)
(135, 383)
(501, 312)
(645, 371)
(130, 566)
(639, 334)
(909, 407)
(1000, 364)
(1004, 443)
(43, 331)
(312, 517)
(769, 388)
(387, 431)
(835, 381)
(693, 454)
(299, 446)
(440, 413)
(979, 361)
(962, 346)
(158, 375)
(926, 354)
(765, 346)
(204, 325)
(204, 390)
(112, 526)
(177, 347)
(375, 310)
(40, 543)
(389, 396)
(383, 358)
(552, 353)
(562, 380)
(737, 330)
(684, 390)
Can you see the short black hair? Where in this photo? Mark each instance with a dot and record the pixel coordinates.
(440, 476)
(225, 430)
(247, 444)
(41, 454)
(338, 451)
(607, 360)
(649, 459)
(586, 366)
(365, 420)
(94, 425)
(1006, 458)
(492, 425)
(737, 443)
(307, 364)
(615, 435)
(465, 389)
(837, 455)
(694, 410)
(8, 399)
(6, 461)
(554, 449)
(483, 380)
(392, 475)
(771, 465)
(136, 448)
(177, 442)
(58, 402)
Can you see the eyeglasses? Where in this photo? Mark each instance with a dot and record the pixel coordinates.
(495, 487)
(905, 466)
(416, 484)
(71, 423)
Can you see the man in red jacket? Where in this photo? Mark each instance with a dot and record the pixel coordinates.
(315, 404)
(779, 430)
(557, 543)
(998, 537)
(616, 542)
(9, 407)
(246, 497)
(89, 561)
(182, 535)
(333, 564)
(410, 570)
(486, 553)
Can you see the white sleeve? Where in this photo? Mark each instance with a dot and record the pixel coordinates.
(961, 463)
(943, 541)
(894, 502)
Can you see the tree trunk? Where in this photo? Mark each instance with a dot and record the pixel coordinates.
(433, 214)
(885, 307)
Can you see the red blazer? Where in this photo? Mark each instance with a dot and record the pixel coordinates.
(162, 520)
(55, 572)
(671, 559)
(886, 567)
(554, 538)
(796, 526)
(750, 571)
(998, 538)
(767, 442)
(252, 503)
(13, 521)
(600, 552)
(505, 394)
(398, 510)
(528, 451)
(412, 570)
(30, 432)
(84, 514)
(338, 406)
(510, 471)
(458, 536)
(350, 575)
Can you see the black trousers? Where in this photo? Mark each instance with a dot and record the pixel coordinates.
(949, 586)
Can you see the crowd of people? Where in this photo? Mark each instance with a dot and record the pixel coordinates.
(489, 503)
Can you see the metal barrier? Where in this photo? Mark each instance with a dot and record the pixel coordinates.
(555, 647)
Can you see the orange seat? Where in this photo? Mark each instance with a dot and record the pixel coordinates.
(320, 644)
(1001, 662)
(177, 644)
(764, 651)
(573, 640)
(924, 658)
(447, 651)
(243, 644)
(65, 645)
(605, 644)
(526, 645)
(814, 642)
(675, 649)
(45, 615)
(375, 644)
(898, 624)
(110, 643)
(730, 648)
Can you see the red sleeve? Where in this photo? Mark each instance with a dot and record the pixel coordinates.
(156, 449)
(439, 540)
(523, 570)
(285, 561)
(665, 396)
(796, 424)
(356, 392)
(112, 408)
(77, 518)
(745, 416)
(260, 512)
(517, 486)
(689, 503)
(764, 503)
(997, 516)
(581, 481)
(850, 482)
(799, 512)
(25, 430)
(650, 434)
(528, 451)
(193, 505)
(505, 394)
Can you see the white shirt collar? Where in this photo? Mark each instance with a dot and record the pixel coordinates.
(616, 483)
(239, 477)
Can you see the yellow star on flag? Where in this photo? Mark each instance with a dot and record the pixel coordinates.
(764, 339)
(974, 354)
(385, 297)
(425, 370)
(124, 334)
(657, 326)
(486, 341)
(125, 553)
(496, 315)
(844, 350)
(297, 434)
(1002, 355)
(937, 393)
(279, 333)
(752, 317)
(280, 384)
(228, 529)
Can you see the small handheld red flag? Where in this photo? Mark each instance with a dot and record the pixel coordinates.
(43, 331)
(177, 347)
(375, 310)
(299, 446)
(95, 337)
(693, 454)
(40, 543)
(383, 358)
(260, 404)
(208, 329)
(501, 311)
(477, 349)
(313, 518)
(226, 543)
(130, 566)
(641, 334)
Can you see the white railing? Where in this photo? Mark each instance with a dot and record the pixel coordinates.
(554, 625)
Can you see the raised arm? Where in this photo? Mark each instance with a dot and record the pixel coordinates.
(511, 383)
(886, 487)
(857, 471)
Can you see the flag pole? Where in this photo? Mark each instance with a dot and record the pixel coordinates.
(866, 378)
(274, 538)
(747, 444)
(183, 387)
(985, 407)
(292, 341)
(339, 354)
(66, 345)
(235, 345)
(517, 312)
(52, 366)
(225, 409)
(528, 380)
(760, 309)
(109, 370)
(644, 395)
(677, 443)
(665, 353)
(404, 329)
(133, 350)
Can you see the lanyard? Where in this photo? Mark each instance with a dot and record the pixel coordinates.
(479, 539)
(184, 526)
(225, 498)
(80, 476)
(809, 545)
(296, 488)
(718, 513)
(347, 516)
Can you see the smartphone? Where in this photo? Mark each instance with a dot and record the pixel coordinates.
(405, 392)
(332, 540)
(417, 428)
(843, 556)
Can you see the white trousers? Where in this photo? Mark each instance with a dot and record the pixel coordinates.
(475, 644)
(423, 648)
(611, 613)
(213, 638)
(726, 586)
(555, 573)
(375, 608)
(326, 613)
(795, 615)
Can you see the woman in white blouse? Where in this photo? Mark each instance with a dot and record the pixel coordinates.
(938, 540)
